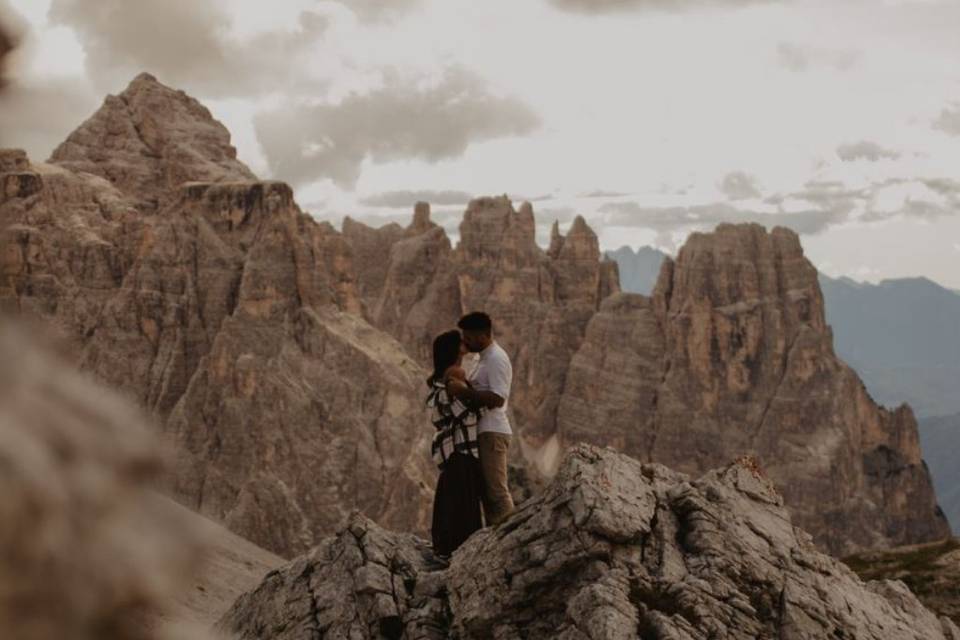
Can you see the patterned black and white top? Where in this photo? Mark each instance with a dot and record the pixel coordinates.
(456, 425)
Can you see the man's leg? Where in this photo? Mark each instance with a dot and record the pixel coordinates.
(497, 501)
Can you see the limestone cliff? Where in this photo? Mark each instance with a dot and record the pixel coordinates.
(150, 139)
(612, 549)
(541, 300)
(730, 356)
(285, 359)
(733, 356)
(226, 311)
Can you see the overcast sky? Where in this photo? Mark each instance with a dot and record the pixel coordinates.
(652, 118)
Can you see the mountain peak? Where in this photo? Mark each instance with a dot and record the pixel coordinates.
(145, 78)
(150, 139)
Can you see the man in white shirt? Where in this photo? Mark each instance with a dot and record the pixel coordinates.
(490, 388)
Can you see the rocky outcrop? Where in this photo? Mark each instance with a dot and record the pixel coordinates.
(88, 551)
(284, 359)
(371, 247)
(150, 139)
(732, 356)
(235, 318)
(420, 297)
(613, 377)
(540, 300)
(612, 549)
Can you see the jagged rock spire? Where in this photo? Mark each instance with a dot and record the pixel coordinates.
(421, 219)
(150, 139)
(556, 241)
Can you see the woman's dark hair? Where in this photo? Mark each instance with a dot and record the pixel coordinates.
(446, 352)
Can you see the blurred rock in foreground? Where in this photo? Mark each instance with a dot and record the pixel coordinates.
(87, 551)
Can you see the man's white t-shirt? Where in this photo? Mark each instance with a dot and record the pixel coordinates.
(494, 373)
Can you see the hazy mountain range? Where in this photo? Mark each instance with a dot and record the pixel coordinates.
(940, 441)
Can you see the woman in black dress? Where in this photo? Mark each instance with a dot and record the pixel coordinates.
(456, 506)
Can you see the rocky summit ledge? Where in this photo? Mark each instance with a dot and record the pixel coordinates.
(12, 160)
(236, 203)
(612, 549)
(243, 193)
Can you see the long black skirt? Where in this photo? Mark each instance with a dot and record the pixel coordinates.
(456, 506)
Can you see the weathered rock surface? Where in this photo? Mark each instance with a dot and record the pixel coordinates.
(932, 571)
(541, 300)
(612, 549)
(247, 328)
(227, 312)
(371, 248)
(732, 356)
(150, 139)
(87, 551)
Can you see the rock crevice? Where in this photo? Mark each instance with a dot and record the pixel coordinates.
(612, 549)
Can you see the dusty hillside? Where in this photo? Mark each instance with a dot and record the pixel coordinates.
(229, 567)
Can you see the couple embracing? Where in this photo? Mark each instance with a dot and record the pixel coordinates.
(469, 413)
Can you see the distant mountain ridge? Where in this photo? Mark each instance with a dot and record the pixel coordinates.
(902, 336)
(639, 268)
(940, 440)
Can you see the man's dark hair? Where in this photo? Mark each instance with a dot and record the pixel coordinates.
(476, 321)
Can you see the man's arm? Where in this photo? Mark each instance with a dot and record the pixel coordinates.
(463, 391)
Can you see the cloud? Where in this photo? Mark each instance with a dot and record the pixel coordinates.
(798, 57)
(949, 120)
(665, 219)
(865, 150)
(38, 115)
(600, 193)
(522, 198)
(597, 7)
(400, 120)
(380, 10)
(810, 210)
(406, 199)
(947, 187)
(186, 43)
(549, 215)
(738, 185)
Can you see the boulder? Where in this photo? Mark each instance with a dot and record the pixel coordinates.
(614, 548)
